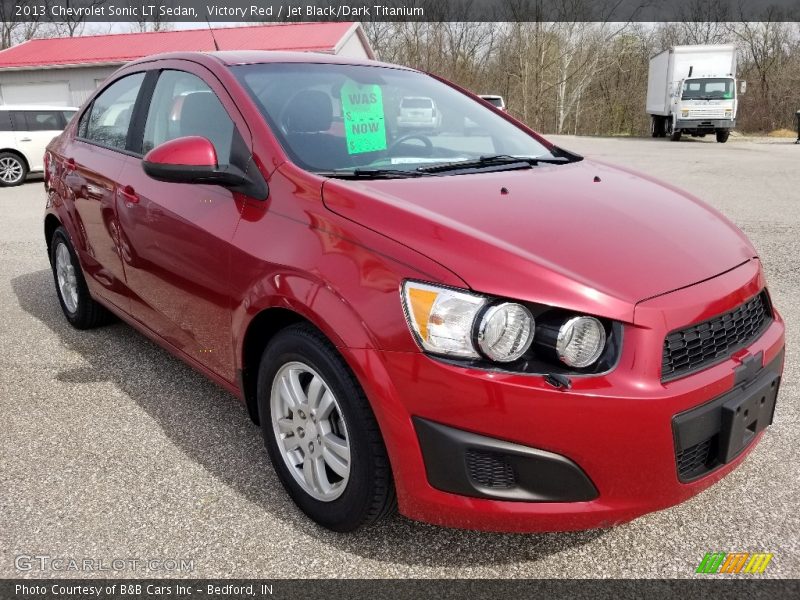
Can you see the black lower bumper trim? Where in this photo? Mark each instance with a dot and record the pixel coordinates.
(713, 434)
(468, 464)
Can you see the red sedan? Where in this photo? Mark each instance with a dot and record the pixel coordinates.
(467, 322)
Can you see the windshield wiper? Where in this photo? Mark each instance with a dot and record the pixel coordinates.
(360, 173)
(494, 160)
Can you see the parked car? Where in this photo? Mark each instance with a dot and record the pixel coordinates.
(496, 101)
(418, 113)
(25, 131)
(490, 332)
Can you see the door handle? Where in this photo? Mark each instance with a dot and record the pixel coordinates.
(24, 139)
(129, 194)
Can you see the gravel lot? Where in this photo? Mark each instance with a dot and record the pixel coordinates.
(110, 448)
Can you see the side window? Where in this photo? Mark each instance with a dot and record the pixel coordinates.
(83, 124)
(18, 120)
(5, 121)
(182, 105)
(44, 120)
(109, 117)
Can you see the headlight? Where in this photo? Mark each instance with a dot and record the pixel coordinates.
(505, 332)
(684, 113)
(442, 318)
(580, 341)
(460, 324)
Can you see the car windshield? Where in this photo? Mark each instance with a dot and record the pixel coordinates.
(708, 89)
(336, 119)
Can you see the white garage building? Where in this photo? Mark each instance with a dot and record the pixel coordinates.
(65, 71)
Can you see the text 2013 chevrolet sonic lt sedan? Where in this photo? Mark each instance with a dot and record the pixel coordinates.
(467, 321)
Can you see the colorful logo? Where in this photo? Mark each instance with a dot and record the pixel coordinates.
(734, 562)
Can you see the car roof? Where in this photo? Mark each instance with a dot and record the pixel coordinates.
(35, 107)
(249, 57)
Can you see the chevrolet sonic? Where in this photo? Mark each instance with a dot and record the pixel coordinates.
(461, 319)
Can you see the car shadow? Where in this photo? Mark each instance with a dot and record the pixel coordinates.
(212, 428)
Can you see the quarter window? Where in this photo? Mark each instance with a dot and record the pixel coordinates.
(108, 119)
(184, 105)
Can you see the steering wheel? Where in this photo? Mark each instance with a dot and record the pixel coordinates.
(411, 136)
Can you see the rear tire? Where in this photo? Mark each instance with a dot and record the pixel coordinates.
(723, 135)
(13, 170)
(321, 434)
(78, 306)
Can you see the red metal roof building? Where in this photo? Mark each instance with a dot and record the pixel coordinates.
(66, 70)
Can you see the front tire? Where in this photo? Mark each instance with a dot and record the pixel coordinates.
(723, 135)
(13, 170)
(320, 432)
(78, 306)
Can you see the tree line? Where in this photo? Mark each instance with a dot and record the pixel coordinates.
(579, 77)
(590, 78)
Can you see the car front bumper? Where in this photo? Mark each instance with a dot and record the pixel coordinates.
(616, 429)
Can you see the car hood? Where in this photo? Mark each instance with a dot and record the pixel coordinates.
(586, 235)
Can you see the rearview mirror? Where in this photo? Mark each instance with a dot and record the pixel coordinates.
(193, 159)
(742, 87)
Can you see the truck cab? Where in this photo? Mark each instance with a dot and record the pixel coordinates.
(704, 105)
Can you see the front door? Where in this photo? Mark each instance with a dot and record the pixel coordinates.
(33, 130)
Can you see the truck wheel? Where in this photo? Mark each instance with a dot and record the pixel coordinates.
(722, 135)
(658, 126)
(675, 136)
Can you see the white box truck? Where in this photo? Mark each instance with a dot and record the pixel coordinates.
(692, 89)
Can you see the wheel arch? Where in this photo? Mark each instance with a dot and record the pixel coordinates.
(20, 154)
(51, 223)
(261, 329)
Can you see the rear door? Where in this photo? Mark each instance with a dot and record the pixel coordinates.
(34, 129)
(94, 160)
(178, 235)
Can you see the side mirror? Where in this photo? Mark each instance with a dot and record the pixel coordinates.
(742, 87)
(193, 159)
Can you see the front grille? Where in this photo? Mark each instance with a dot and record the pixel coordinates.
(709, 342)
(696, 460)
(490, 469)
(709, 112)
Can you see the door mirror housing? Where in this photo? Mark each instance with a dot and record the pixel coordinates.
(742, 87)
(193, 159)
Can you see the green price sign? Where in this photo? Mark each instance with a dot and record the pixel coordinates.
(364, 120)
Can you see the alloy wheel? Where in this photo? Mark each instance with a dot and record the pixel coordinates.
(67, 281)
(10, 170)
(310, 430)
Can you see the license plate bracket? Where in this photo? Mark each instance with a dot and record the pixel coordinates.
(746, 414)
(713, 434)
